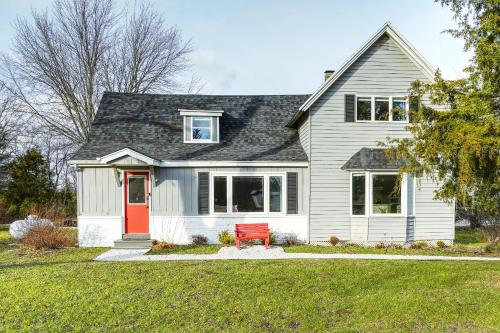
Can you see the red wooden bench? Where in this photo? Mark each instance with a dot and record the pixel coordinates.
(251, 231)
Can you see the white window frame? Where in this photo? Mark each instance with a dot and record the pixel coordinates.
(145, 191)
(211, 119)
(369, 194)
(372, 98)
(229, 191)
(406, 110)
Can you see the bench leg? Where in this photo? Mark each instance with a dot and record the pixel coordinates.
(238, 244)
(267, 243)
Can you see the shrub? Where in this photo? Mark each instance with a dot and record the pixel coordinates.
(380, 246)
(273, 239)
(419, 245)
(334, 240)
(492, 248)
(226, 238)
(290, 240)
(352, 245)
(440, 244)
(47, 237)
(200, 240)
(159, 245)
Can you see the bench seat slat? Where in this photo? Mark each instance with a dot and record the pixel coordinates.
(251, 231)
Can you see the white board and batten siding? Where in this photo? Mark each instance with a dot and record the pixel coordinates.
(174, 206)
(383, 70)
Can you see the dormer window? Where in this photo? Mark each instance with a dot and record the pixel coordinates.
(201, 126)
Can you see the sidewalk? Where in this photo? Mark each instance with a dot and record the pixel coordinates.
(260, 253)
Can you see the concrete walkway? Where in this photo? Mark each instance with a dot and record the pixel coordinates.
(260, 253)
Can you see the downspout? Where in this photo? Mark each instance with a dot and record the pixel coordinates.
(309, 118)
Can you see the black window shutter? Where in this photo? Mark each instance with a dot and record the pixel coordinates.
(292, 192)
(203, 193)
(349, 108)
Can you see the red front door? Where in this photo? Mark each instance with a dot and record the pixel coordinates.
(136, 202)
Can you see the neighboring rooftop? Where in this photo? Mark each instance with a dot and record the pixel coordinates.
(252, 128)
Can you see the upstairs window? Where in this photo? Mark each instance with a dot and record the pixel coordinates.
(375, 108)
(201, 129)
(364, 108)
(201, 126)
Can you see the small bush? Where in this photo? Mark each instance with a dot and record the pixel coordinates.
(290, 240)
(352, 245)
(380, 246)
(334, 240)
(200, 240)
(492, 248)
(226, 238)
(47, 237)
(440, 244)
(419, 245)
(273, 239)
(159, 245)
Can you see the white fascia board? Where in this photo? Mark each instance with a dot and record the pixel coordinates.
(214, 164)
(201, 113)
(128, 152)
(404, 44)
(233, 164)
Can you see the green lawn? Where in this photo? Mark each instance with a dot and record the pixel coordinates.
(65, 291)
(467, 243)
(189, 249)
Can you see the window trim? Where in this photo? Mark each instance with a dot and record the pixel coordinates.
(372, 98)
(229, 192)
(145, 191)
(369, 194)
(351, 175)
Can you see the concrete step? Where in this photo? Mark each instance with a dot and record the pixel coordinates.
(136, 236)
(133, 244)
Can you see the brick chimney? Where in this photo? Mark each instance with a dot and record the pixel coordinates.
(328, 73)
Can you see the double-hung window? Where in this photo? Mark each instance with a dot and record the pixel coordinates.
(248, 193)
(378, 193)
(201, 129)
(378, 108)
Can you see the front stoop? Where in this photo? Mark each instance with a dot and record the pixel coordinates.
(134, 241)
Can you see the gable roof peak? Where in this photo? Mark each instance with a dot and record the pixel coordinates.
(392, 32)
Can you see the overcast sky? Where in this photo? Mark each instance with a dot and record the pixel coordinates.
(283, 46)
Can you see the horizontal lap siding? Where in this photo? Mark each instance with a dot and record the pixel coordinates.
(434, 220)
(383, 70)
(176, 190)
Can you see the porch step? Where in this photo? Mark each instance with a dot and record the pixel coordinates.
(133, 244)
(136, 236)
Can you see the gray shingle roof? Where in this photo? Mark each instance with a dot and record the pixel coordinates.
(252, 128)
(371, 159)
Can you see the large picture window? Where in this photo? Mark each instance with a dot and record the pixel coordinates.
(247, 193)
(386, 194)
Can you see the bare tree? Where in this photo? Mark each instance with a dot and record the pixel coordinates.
(63, 62)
